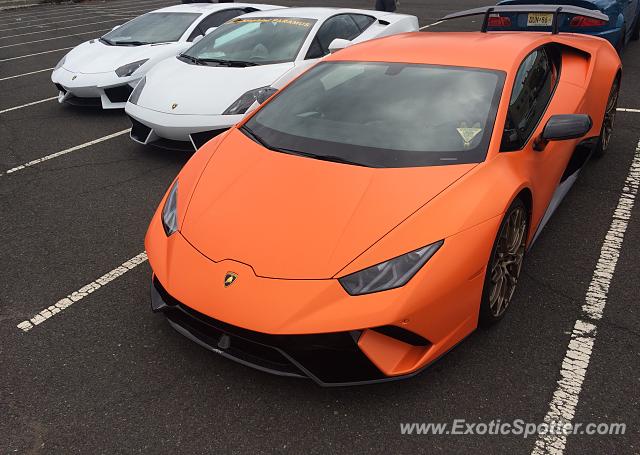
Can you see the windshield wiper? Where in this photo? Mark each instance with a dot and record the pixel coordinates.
(130, 43)
(106, 41)
(333, 158)
(192, 59)
(234, 63)
(255, 138)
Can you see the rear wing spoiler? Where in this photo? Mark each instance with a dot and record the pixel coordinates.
(556, 10)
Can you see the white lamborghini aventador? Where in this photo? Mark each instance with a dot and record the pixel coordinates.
(102, 72)
(185, 101)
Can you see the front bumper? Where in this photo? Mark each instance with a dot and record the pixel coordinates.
(176, 131)
(105, 90)
(330, 359)
(399, 332)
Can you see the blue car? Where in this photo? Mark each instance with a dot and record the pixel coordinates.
(623, 25)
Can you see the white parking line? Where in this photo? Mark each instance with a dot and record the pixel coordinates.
(59, 28)
(87, 14)
(83, 292)
(6, 78)
(125, 4)
(622, 109)
(61, 11)
(562, 408)
(65, 152)
(32, 103)
(55, 37)
(84, 12)
(57, 15)
(36, 53)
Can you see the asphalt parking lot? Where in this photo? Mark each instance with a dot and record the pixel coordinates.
(105, 375)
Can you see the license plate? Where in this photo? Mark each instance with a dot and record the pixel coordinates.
(540, 20)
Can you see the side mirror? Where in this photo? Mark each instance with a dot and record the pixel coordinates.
(563, 128)
(196, 39)
(116, 27)
(338, 44)
(209, 30)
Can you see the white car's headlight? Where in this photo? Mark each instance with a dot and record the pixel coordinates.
(60, 63)
(135, 95)
(170, 211)
(391, 274)
(129, 69)
(243, 103)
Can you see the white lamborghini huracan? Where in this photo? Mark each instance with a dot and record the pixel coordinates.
(102, 72)
(185, 101)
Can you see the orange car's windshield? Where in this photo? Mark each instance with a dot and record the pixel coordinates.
(383, 114)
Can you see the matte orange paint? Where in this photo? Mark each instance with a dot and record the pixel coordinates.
(289, 226)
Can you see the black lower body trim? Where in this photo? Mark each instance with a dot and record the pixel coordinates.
(201, 138)
(139, 131)
(170, 144)
(119, 94)
(84, 102)
(330, 359)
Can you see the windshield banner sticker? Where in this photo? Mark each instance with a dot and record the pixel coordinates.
(277, 20)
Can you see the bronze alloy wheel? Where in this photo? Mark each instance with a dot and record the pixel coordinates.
(609, 120)
(507, 261)
(505, 264)
(610, 116)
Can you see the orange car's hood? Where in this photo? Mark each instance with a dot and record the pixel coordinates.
(299, 218)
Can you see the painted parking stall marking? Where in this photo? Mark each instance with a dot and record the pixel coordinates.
(65, 152)
(81, 293)
(25, 74)
(56, 37)
(60, 28)
(36, 54)
(32, 103)
(565, 399)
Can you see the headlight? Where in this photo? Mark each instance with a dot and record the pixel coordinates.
(391, 274)
(128, 70)
(170, 211)
(243, 103)
(135, 95)
(60, 63)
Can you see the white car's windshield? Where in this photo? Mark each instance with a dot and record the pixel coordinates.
(254, 41)
(151, 28)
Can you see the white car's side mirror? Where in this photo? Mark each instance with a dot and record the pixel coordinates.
(209, 30)
(338, 44)
(116, 27)
(196, 39)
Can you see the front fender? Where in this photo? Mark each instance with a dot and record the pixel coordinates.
(474, 199)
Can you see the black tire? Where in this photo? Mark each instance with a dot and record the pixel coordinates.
(505, 264)
(604, 140)
(623, 41)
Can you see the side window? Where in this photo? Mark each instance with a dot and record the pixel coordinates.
(340, 26)
(363, 21)
(532, 91)
(215, 20)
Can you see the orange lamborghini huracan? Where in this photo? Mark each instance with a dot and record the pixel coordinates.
(372, 213)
